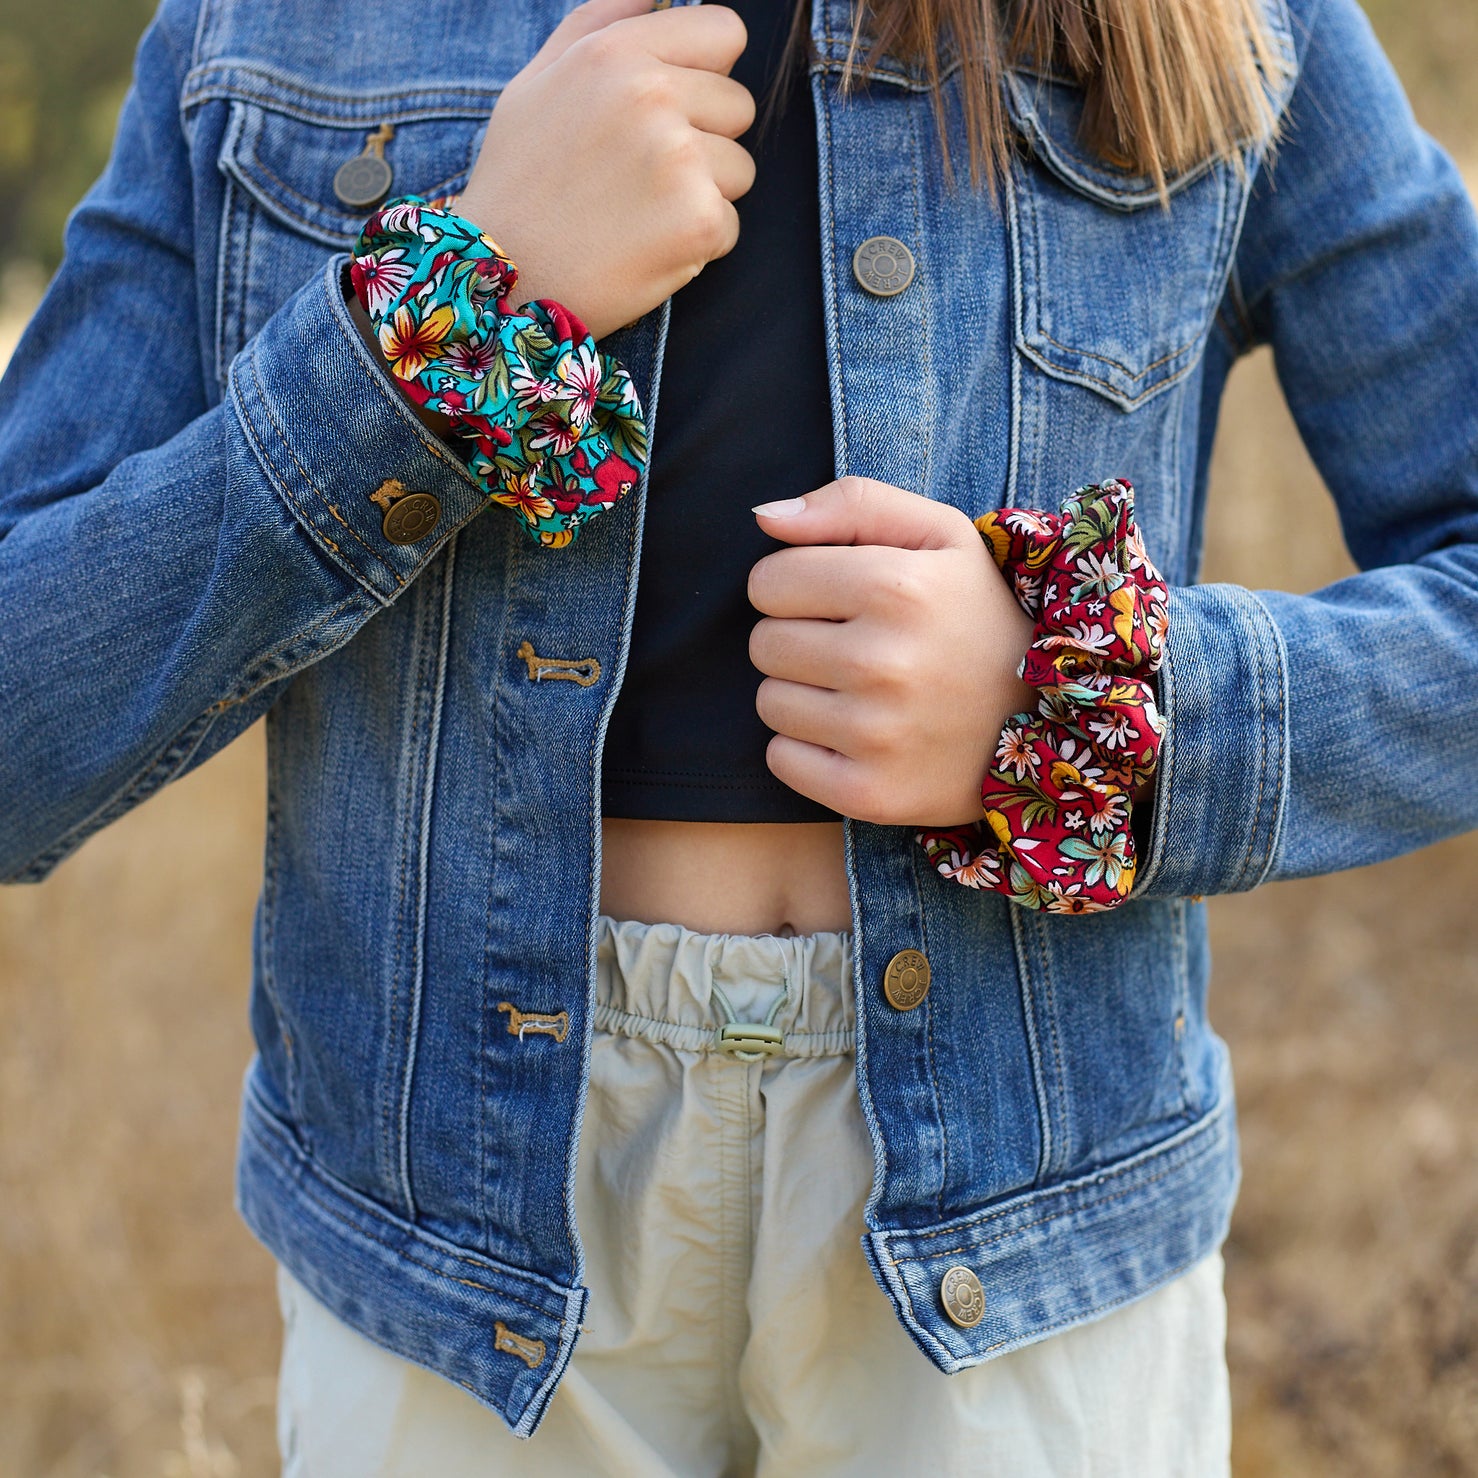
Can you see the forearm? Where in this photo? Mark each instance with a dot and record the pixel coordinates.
(153, 613)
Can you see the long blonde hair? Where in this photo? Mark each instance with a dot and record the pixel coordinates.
(1167, 83)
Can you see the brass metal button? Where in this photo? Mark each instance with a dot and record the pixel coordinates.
(365, 179)
(409, 519)
(883, 266)
(906, 980)
(963, 1297)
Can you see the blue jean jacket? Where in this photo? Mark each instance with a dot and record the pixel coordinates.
(190, 433)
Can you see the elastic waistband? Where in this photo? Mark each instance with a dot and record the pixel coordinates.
(665, 983)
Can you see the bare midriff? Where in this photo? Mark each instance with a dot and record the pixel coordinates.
(719, 877)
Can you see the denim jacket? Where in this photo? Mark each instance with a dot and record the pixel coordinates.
(191, 433)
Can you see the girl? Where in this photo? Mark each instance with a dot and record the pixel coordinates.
(628, 949)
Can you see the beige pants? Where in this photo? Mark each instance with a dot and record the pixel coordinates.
(734, 1327)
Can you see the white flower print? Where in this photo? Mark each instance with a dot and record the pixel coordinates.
(531, 390)
(1112, 814)
(1085, 636)
(1026, 522)
(1097, 575)
(582, 373)
(402, 218)
(472, 357)
(1015, 753)
(1028, 590)
(553, 431)
(384, 276)
(1138, 555)
(1113, 730)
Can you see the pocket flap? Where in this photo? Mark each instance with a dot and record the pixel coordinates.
(284, 146)
(1048, 114)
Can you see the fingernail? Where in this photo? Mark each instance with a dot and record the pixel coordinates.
(784, 508)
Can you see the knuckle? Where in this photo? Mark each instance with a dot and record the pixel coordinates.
(891, 665)
(713, 228)
(650, 88)
(680, 155)
(604, 51)
(730, 32)
(883, 734)
(906, 586)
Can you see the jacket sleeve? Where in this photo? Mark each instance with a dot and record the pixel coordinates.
(166, 563)
(1313, 732)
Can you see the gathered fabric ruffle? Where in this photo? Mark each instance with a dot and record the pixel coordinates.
(550, 426)
(1058, 795)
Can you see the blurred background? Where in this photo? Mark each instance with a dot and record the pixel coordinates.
(138, 1329)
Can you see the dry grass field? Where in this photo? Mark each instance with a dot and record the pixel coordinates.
(138, 1330)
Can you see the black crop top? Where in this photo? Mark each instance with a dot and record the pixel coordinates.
(743, 417)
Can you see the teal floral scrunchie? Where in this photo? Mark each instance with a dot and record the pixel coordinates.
(551, 427)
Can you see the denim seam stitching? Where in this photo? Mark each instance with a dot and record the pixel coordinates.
(305, 1188)
(1043, 938)
(916, 855)
(496, 789)
(228, 204)
(195, 88)
(257, 683)
(1013, 256)
(1027, 993)
(1182, 1000)
(390, 1118)
(1119, 364)
(1041, 1221)
(433, 740)
(1245, 866)
(1190, 1143)
(1272, 742)
(160, 769)
(204, 22)
(826, 64)
(1097, 1310)
(925, 255)
(1115, 392)
(841, 430)
(308, 480)
(279, 483)
(267, 964)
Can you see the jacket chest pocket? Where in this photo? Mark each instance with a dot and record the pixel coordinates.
(1116, 291)
(286, 205)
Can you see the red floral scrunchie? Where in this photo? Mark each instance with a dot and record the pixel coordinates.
(1056, 834)
(552, 428)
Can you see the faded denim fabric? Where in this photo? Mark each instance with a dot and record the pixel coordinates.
(197, 546)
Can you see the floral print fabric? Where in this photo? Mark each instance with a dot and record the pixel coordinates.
(1058, 793)
(551, 427)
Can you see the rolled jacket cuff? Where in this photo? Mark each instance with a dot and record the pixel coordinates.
(1222, 785)
(374, 489)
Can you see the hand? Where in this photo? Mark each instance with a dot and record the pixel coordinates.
(609, 167)
(891, 644)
